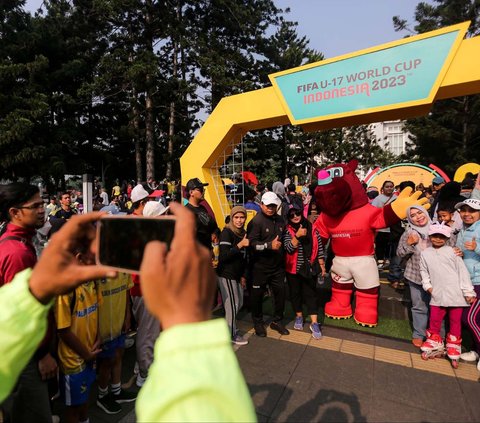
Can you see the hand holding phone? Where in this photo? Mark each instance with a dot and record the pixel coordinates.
(178, 285)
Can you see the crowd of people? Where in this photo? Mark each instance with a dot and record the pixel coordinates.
(278, 251)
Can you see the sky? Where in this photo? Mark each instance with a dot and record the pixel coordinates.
(336, 27)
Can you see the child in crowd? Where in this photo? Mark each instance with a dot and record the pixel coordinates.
(76, 316)
(412, 242)
(447, 215)
(445, 277)
(467, 242)
(114, 321)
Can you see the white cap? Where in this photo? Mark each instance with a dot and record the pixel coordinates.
(442, 229)
(154, 208)
(470, 202)
(271, 198)
(138, 193)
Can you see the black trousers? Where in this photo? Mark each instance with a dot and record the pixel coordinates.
(302, 291)
(276, 281)
(381, 245)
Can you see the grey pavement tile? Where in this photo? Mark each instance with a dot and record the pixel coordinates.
(390, 411)
(348, 334)
(265, 387)
(267, 367)
(271, 354)
(313, 399)
(395, 344)
(337, 371)
(432, 392)
(262, 418)
(129, 418)
(471, 396)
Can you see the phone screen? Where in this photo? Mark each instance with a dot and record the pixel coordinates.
(122, 240)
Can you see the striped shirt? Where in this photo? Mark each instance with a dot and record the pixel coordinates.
(290, 249)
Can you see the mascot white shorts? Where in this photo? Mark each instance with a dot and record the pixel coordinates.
(362, 271)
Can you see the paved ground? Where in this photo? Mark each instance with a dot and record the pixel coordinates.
(352, 377)
(344, 377)
(347, 376)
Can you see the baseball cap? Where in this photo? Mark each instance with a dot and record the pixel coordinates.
(154, 208)
(471, 202)
(438, 180)
(270, 198)
(138, 193)
(437, 228)
(195, 183)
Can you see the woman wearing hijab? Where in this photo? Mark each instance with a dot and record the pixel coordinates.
(304, 264)
(232, 264)
(413, 241)
(279, 189)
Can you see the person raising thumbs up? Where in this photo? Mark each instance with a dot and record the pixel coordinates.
(470, 249)
(267, 260)
(231, 270)
(305, 267)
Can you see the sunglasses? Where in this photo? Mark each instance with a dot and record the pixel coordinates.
(295, 213)
(34, 206)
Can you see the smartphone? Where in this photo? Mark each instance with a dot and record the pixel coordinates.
(121, 240)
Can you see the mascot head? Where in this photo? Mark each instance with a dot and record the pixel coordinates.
(339, 189)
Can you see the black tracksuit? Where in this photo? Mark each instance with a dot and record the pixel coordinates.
(268, 266)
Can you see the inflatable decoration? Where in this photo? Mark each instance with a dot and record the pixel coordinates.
(351, 222)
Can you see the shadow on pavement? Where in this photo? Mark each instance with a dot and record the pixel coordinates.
(329, 406)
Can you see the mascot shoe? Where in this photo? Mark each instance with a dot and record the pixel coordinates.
(366, 313)
(339, 306)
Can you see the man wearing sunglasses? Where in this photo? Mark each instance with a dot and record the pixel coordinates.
(24, 211)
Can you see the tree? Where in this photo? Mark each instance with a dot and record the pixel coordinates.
(22, 107)
(450, 135)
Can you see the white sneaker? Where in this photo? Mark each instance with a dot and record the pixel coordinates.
(469, 356)
(140, 380)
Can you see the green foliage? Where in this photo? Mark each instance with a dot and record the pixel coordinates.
(450, 135)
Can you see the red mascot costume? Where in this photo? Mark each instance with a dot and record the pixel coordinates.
(350, 222)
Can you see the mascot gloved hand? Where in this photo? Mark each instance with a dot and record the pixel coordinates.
(347, 218)
(406, 199)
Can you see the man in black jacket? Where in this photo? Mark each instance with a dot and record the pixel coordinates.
(268, 267)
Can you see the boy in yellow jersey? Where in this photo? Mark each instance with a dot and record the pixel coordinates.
(114, 321)
(76, 315)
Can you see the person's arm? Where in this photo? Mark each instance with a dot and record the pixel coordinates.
(177, 288)
(426, 282)
(464, 277)
(253, 235)
(228, 249)
(215, 391)
(23, 324)
(289, 244)
(406, 247)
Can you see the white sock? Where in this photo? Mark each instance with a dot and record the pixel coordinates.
(115, 388)
(102, 392)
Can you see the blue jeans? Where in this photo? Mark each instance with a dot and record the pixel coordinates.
(420, 302)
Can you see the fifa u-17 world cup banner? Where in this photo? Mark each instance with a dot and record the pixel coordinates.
(399, 74)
